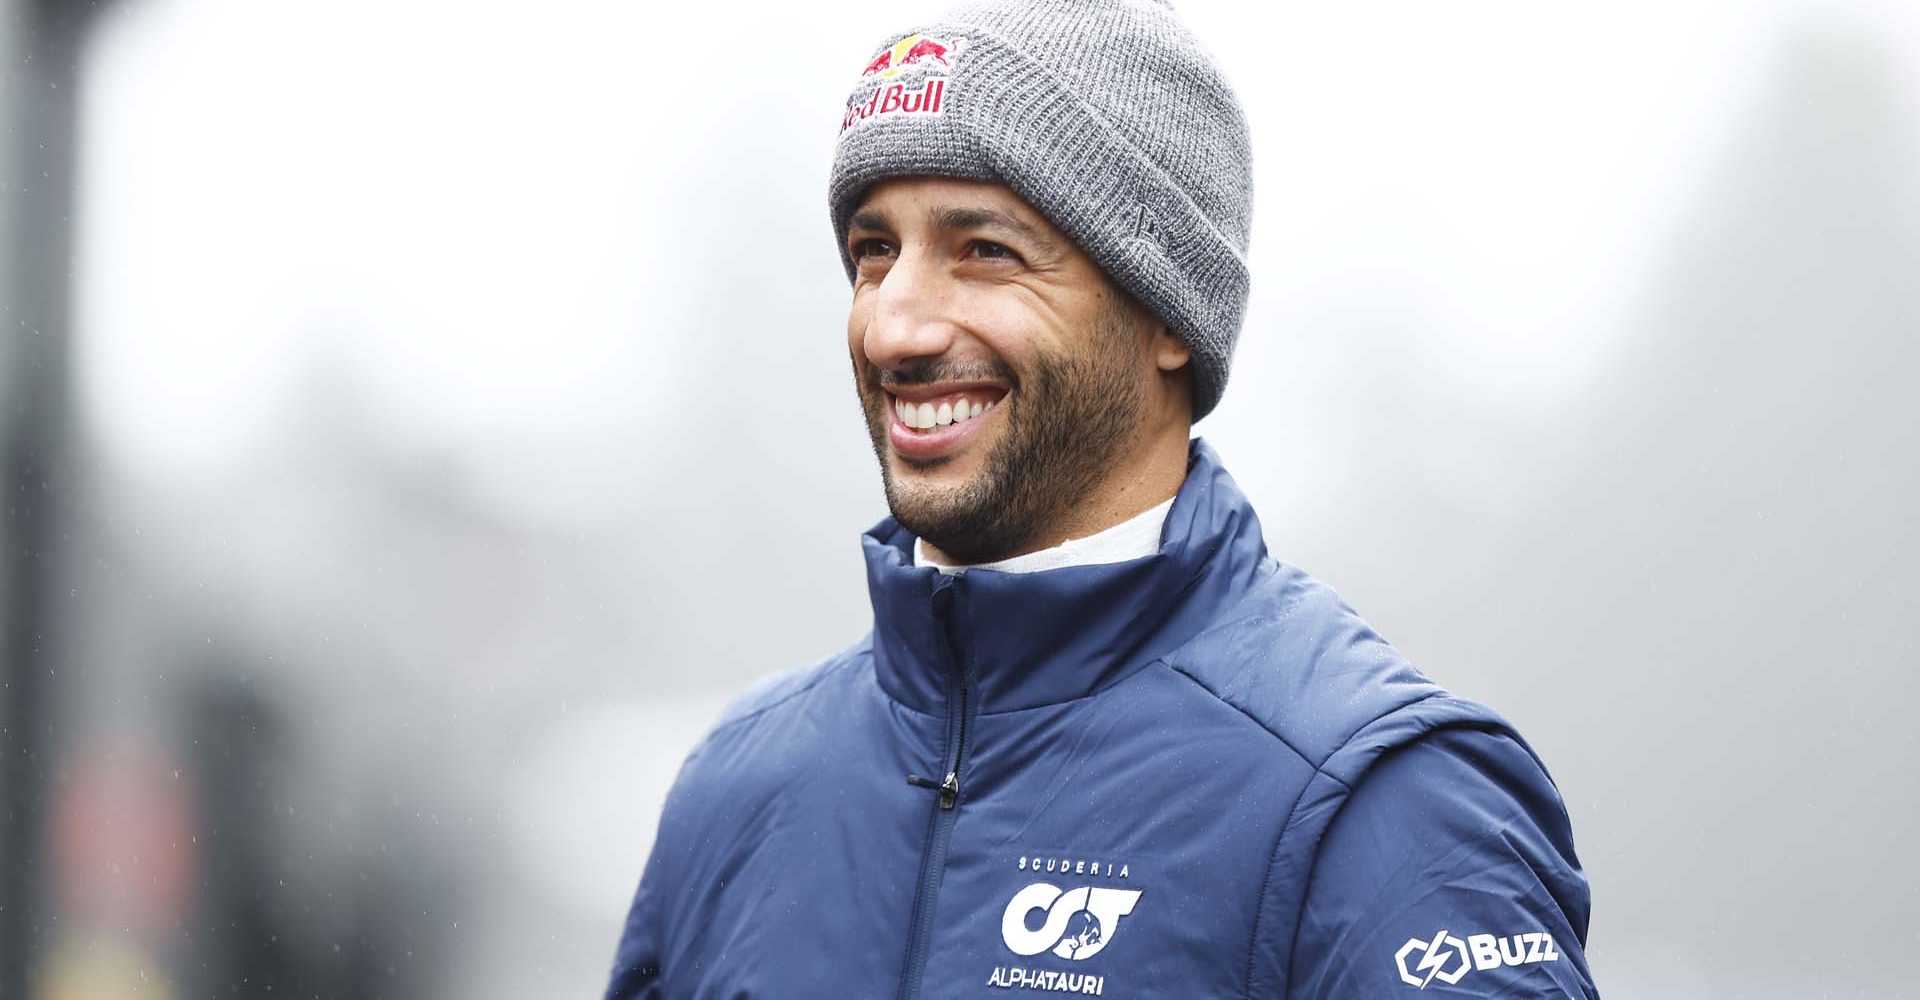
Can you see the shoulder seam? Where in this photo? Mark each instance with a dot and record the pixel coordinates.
(827, 671)
(1266, 881)
(1269, 730)
(1273, 853)
(1279, 614)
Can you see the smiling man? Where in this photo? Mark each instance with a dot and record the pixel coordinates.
(1098, 740)
(1016, 397)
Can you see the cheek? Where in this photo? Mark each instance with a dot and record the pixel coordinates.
(858, 315)
(854, 325)
(1009, 329)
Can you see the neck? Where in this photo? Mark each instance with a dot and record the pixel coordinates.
(1147, 476)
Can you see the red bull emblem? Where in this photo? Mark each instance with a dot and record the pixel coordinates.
(929, 58)
(926, 48)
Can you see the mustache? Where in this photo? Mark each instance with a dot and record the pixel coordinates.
(928, 371)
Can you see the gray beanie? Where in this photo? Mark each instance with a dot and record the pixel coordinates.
(1105, 115)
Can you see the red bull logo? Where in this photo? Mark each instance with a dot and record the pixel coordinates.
(914, 50)
(926, 48)
(930, 57)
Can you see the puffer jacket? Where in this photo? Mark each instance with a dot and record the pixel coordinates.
(1195, 774)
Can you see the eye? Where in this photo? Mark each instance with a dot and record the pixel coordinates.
(871, 246)
(993, 251)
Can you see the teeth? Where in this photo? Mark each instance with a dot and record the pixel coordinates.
(925, 416)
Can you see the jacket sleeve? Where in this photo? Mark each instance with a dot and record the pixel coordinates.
(1450, 871)
(636, 963)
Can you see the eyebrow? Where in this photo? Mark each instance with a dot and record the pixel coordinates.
(958, 219)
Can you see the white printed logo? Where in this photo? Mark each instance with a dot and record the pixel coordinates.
(1079, 922)
(1447, 958)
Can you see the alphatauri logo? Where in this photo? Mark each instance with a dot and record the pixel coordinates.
(1078, 923)
(1448, 958)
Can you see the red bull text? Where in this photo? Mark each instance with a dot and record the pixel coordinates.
(896, 99)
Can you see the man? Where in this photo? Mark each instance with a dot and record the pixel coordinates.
(1098, 741)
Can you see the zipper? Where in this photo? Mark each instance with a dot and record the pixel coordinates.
(949, 788)
(933, 859)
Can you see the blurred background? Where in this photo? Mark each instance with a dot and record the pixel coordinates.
(420, 417)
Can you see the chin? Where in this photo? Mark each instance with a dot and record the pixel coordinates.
(924, 506)
(941, 473)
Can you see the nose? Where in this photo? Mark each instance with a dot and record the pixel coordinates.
(910, 313)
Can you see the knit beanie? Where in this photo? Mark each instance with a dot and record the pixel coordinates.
(1106, 116)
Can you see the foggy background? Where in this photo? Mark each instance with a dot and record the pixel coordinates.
(422, 416)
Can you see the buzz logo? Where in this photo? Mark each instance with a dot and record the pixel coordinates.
(1448, 958)
(1078, 923)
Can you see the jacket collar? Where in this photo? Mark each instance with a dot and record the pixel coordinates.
(1030, 639)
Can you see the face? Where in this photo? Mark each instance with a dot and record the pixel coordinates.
(1002, 374)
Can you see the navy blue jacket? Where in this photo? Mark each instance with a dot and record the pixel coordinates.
(1193, 774)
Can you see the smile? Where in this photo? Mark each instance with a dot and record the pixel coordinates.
(927, 415)
(927, 424)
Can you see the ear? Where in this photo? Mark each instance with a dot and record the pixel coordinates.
(1169, 352)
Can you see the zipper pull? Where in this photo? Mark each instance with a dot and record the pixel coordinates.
(949, 789)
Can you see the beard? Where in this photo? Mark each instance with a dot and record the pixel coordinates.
(1067, 419)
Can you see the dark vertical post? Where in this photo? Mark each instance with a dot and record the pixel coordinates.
(39, 108)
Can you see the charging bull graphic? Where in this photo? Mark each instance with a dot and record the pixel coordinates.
(1078, 922)
(924, 51)
(926, 48)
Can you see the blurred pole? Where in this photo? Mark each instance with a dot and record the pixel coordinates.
(42, 39)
